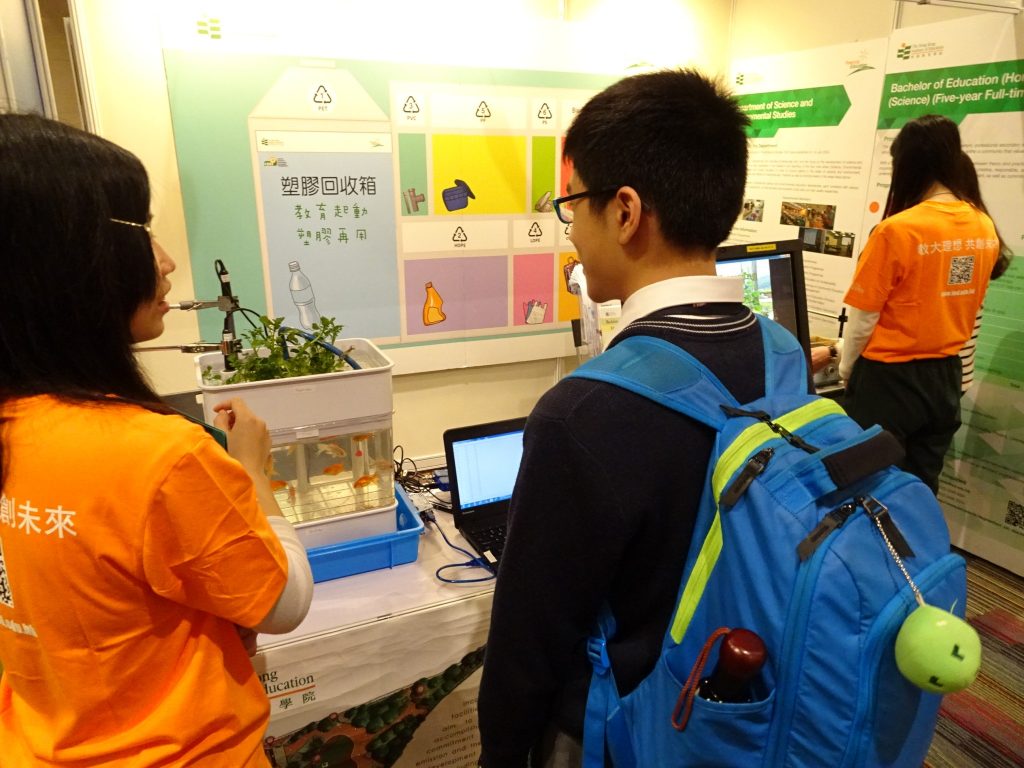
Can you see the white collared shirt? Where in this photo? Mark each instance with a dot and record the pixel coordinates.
(695, 289)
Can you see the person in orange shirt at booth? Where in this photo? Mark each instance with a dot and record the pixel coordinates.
(137, 556)
(914, 297)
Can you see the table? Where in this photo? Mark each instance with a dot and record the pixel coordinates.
(385, 669)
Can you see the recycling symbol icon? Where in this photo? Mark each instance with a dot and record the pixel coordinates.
(322, 96)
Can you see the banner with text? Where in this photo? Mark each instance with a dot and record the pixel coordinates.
(812, 118)
(969, 70)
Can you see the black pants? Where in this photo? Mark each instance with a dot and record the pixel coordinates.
(918, 401)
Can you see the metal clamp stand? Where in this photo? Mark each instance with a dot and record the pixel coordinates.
(226, 303)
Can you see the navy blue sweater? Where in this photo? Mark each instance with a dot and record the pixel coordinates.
(603, 510)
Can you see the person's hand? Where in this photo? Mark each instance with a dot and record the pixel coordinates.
(248, 438)
(820, 357)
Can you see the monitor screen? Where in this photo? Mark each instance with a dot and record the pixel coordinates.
(773, 275)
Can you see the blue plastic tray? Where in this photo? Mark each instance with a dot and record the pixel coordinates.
(373, 552)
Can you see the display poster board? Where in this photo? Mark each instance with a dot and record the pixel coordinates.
(813, 115)
(970, 70)
(409, 201)
(822, 124)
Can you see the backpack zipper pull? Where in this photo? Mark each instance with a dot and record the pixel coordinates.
(886, 527)
(829, 523)
(880, 514)
(754, 467)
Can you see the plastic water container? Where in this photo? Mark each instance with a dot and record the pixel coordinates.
(331, 458)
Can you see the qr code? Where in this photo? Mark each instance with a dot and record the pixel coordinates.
(1015, 514)
(961, 270)
(5, 586)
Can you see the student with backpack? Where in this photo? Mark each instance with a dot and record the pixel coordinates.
(604, 506)
(685, 483)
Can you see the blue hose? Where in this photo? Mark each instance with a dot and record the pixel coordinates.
(329, 347)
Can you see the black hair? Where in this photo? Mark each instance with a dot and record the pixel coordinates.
(970, 190)
(925, 151)
(678, 138)
(70, 277)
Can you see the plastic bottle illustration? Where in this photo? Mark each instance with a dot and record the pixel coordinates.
(432, 314)
(302, 294)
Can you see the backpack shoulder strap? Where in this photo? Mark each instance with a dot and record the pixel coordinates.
(664, 373)
(661, 371)
(785, 362)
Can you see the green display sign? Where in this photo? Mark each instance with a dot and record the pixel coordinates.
(952, 91)
(798, 108)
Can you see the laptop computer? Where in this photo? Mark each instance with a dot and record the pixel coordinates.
(483, 461)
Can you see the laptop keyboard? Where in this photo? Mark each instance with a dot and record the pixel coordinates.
(492, 539)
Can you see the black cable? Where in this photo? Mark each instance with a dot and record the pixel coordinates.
(246, 312)
(446, 504)
(398, 462)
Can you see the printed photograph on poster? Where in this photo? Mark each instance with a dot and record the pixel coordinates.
(753, 210)
(801, 214)
(827, 241)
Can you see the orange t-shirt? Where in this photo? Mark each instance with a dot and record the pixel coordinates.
(925, 270)
(130, 546)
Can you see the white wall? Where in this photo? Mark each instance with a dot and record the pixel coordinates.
(129, 93)
(761, 28)
(122, 49)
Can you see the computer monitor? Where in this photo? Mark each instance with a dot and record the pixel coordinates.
(773, 282)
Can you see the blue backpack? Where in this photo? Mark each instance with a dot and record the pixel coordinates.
(803, 532)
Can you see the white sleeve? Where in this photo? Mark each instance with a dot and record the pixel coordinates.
(858, 330)
(293, 604)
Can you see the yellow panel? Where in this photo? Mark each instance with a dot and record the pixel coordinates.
(491, 169)
(568, 303)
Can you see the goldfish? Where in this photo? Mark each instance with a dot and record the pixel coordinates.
(332, 449)
(334, 469)
(280, 485)
(364, 481)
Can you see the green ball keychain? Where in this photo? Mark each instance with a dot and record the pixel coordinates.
(935, 650)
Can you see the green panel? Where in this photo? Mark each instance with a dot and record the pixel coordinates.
(211, 95)
(412, 172)
(998, 358)
(542, 172)
(955, 92)
(795, 108)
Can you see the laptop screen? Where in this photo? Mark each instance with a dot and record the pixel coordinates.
(486, 467)
(483, 461)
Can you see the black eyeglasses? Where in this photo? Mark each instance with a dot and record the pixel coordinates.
(564, 205)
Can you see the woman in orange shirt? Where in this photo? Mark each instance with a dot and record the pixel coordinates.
(915, 294)
(135, 552)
